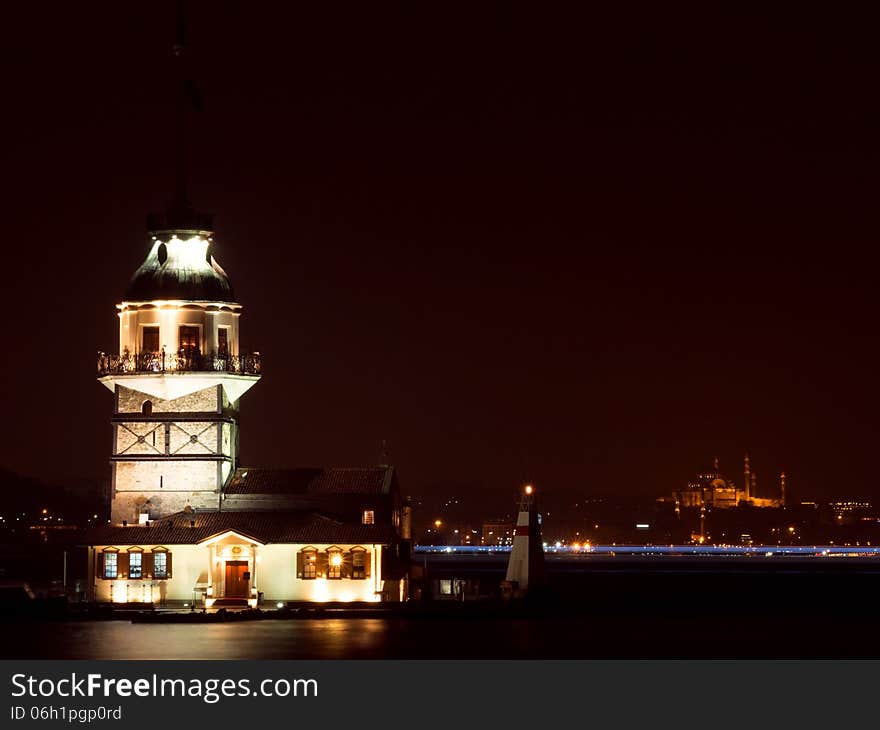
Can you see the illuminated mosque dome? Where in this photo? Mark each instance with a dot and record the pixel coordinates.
(712, 488)
(180, 265)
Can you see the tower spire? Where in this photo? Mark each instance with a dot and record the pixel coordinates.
(180, 215)
(180, 199)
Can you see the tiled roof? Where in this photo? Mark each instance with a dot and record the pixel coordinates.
(335, 480)
(264, 526)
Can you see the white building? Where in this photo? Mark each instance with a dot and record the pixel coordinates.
(188, 523)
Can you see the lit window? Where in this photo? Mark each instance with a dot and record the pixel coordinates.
(369, 517)
(310, 565)
(150, 339)
(110, 564)
(160, 565)
(334, 565)
(135, 565)
(223, 341)
(358, 564)
(189, 338)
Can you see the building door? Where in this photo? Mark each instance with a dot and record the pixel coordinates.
(236, 579)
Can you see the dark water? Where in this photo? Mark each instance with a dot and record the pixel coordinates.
(609, 609)
(717, 635)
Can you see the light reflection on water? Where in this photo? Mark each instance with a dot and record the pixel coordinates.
(623, 635)
(326, 639)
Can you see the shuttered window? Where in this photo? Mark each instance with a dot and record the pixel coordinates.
(334, 564)
(310, 564)
(135, 565)
(160, 565)
(122, 565)
(110, 567)
(358, 564)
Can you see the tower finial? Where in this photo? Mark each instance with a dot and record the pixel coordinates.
(180, 214)
(180, 199)
(180, 40)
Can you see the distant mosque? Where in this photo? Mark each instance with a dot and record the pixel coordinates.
(713, 489)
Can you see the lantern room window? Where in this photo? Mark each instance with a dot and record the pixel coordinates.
(223, 341)
(189, 338)
(150, 339)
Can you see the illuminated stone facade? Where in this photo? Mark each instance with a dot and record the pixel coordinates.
(188, 524)
(177, 381)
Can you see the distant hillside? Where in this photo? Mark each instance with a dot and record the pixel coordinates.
(79, 498)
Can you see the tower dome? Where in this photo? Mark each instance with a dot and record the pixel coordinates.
(180, 266)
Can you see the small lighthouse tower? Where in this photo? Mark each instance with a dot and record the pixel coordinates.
(525, 569)
(178, 374)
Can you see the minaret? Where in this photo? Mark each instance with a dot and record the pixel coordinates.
(179, 373)
(747, 479)
(782, 488)
(754, 485)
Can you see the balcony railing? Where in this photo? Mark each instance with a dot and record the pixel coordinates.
(184, 361)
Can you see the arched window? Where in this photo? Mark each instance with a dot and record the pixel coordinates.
(147, 408)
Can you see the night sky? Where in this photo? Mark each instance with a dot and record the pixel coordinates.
(591, 249)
